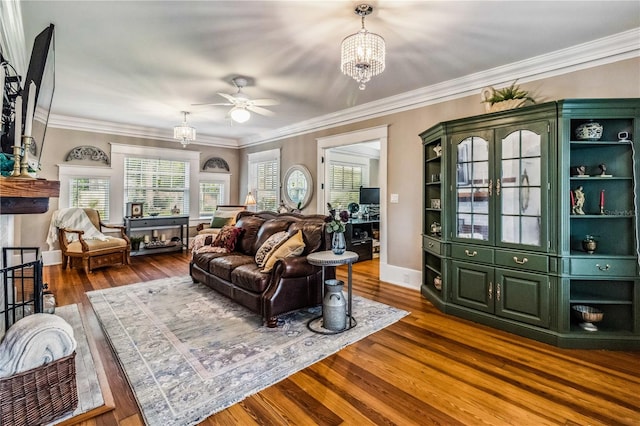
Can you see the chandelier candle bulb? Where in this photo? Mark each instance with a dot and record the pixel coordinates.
(31, 101)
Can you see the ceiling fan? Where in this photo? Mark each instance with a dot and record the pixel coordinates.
(242, 105)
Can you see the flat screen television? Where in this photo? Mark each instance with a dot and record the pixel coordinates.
(42, 72)
(369, 195)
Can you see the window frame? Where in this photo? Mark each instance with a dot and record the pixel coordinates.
(224, 179)
(256, 158)
(67, 172)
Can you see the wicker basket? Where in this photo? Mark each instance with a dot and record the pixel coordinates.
(40, 395)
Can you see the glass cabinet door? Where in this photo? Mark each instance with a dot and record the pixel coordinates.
(473, 188)
(521, 186)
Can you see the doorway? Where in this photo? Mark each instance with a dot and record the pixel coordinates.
(366, 140)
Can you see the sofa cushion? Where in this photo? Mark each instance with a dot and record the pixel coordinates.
(250, 278)
(203, 259)
(250, 226)
(312, 233)
(222, 266)
(272, 243)
(227, 237)
(294, 246)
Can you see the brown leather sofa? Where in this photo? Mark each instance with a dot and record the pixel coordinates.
(292, 284)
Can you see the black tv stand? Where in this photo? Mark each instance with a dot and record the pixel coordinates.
(362, 237)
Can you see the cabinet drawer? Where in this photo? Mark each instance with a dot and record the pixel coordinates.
(432, 245)
(472, 253)
(602, 266)
(523, 261)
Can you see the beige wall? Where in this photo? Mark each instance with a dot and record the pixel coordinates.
(618, 80)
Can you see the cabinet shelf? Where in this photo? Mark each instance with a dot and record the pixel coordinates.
(433, 269)
(599, 178)
(430, 160)
(595, 301)
(587, 144)
(433, 183)
(600, 216)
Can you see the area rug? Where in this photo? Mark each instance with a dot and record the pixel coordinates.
(189, 352)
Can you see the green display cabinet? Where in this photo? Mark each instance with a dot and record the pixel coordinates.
(539, 223)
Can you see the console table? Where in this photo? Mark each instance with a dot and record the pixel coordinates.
(329, 258)
(136, 225)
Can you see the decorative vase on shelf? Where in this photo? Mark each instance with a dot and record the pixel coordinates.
(591, 131)
(589, 244)
(338, 243)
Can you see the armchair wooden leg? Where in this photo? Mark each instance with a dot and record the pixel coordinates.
(65, 261)
(85, 265)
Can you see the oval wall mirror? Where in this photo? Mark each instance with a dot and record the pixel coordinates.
(298, 187)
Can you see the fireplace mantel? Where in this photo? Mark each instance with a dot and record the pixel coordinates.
(26, 196)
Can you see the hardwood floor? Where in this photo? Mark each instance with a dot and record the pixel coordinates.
(429, 368)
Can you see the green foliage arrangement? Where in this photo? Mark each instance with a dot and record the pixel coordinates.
(509, 93)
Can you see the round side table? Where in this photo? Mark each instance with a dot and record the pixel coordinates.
(329, 258)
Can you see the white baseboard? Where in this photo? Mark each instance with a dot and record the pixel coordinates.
(52, 257)
(403, 277)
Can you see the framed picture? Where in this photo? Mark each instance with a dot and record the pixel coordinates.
(435, 203)
(134, 209)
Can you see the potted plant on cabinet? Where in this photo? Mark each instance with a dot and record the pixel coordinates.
(135, 242)
(503, 99)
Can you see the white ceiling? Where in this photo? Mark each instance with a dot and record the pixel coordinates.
(139, 63)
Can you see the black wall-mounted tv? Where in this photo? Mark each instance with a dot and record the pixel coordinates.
(369, 195)
(42, 72)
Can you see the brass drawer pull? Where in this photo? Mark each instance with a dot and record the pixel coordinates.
(471, 253)
(430, 244)
(520, 262)
(490, 290)
(603, 268)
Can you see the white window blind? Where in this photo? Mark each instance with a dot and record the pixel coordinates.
(86, 192)
(157, 183)
(210, 195)
(345, 181)
(267, 185)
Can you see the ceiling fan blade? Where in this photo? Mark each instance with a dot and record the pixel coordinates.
(213, 104)
(265, 102)
(228, 97)
(260, 110)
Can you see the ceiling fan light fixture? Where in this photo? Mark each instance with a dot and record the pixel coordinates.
(239, 114)
(184, 133)
(363, 53)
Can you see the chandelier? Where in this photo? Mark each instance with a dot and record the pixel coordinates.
(184, 133)
(363, 52)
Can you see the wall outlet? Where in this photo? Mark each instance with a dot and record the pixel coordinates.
(394, 198)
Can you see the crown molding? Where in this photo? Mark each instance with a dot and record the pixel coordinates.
(12, 41)
(97, 126)
(603, 51)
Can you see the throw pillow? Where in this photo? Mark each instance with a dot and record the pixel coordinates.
(227, 237)
(223, 217)
(294, 246)
(270, 245)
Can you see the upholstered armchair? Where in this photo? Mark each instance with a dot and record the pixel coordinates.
(81, 240)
